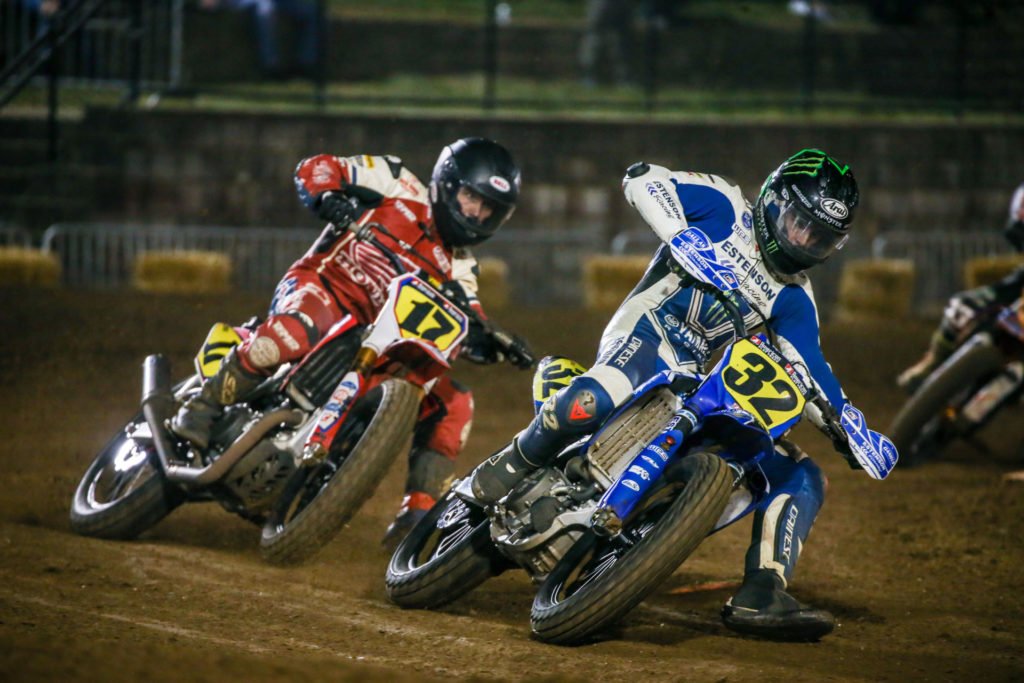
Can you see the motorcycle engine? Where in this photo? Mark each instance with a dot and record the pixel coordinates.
(257, 479)
(541, 520)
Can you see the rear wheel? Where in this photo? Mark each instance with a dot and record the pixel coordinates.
(601, 578)
(319, 500)
(123, 492)
(926, 423)
(447, 554)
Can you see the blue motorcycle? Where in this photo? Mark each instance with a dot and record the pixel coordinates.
(618, 511)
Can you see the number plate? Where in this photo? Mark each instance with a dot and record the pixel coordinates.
(763, 384)
(422, 313)
(221, 339)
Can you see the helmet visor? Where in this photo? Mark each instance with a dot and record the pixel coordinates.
(798, 234)
(478, 214)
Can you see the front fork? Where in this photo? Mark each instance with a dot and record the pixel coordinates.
(649, 464)
(352, 386)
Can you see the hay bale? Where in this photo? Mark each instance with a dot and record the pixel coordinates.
(25, 267)
(990, 269)
(608, 279)
(876, 288)
(493, 280)
(182, 271)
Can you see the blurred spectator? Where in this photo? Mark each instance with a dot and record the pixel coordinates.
(266, 16)
(814, 8)
(606, 41)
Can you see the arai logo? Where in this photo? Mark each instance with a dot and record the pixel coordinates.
(499, 183)
(834, 208)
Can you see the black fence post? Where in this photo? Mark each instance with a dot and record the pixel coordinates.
(652, 50)
(960, 67)
(810, 70)
(134, 53)
(52, 133)
(323, 36)
(490, 54)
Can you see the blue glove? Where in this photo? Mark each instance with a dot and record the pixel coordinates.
(874, 452)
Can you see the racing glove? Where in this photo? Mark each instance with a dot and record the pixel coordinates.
(965, 306)
(338, 208)
(486, 346)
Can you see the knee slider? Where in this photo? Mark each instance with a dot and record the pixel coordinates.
(281, 338)
(577, 408)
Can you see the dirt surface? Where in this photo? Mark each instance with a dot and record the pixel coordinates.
(925, 571)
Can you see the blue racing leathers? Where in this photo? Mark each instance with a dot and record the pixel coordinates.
(667, 324)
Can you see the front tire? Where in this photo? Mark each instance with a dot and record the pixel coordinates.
(447, 554)
(319, 500)
(600, 579)
(123, 493)
(921, 430)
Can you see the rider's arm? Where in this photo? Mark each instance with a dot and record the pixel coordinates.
(369, 178)
(671, 202)
(465, 271)
(1009, 288)
(795, 321)
(652, 194)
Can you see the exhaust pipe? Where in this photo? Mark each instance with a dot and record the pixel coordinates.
(158, 406)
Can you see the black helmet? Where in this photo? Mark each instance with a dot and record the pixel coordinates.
(1015, 223)
(485, 168)
(804, 211)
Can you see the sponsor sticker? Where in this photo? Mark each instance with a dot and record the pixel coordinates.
(499, 183)
(834, 208)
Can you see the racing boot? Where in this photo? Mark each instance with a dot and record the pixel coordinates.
(496, 476)
(762, 607)
(230, 385)
(430, 475)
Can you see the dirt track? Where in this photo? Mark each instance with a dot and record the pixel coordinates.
(925, 571)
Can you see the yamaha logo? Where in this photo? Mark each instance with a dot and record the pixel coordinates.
(499, 183)
(834, 208)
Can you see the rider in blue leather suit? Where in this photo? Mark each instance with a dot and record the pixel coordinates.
(803, 214)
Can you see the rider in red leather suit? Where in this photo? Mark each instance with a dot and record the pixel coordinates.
(473, 191)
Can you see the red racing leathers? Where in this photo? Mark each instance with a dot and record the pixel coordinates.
(341, 275)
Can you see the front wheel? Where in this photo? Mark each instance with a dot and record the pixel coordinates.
(447, 554)
(319, 500)
(600, 578)
(123, 493)
(923, 427)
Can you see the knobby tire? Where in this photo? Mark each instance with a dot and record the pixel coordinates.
(688, 519)
(299, 538)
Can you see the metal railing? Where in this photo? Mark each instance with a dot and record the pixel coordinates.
(102, 255)
(546, 267)
(939, 259)
(95, 42)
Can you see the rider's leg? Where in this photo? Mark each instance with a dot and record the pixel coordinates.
(575, 410)
(627, 357)
(294, 326)
(445, 420)
(781, 524)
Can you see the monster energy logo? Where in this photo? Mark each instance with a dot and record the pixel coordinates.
(809, 162)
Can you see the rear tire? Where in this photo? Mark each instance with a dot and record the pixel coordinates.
(123, 493)
(319, 500)
(600, 579)
(919, 431)
(447, 554)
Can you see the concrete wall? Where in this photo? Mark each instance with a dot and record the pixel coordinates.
(236, 168)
